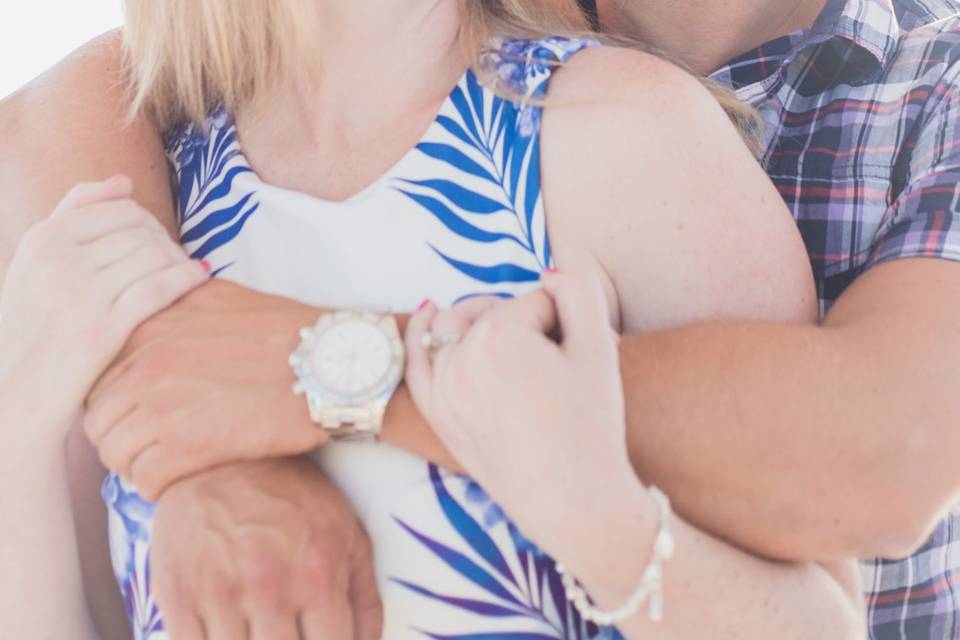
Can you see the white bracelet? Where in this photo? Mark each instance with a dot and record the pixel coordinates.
(651, 584)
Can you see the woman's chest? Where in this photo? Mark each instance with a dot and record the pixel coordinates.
(417, 234)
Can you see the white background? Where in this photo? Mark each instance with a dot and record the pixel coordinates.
(34, 34)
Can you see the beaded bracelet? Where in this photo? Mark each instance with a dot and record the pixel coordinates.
(651, 584)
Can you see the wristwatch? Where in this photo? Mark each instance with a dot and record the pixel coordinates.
(348, 366)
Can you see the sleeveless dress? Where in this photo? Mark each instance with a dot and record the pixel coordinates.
(459, 215)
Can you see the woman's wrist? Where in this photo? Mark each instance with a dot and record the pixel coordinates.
(36, 416)
(609, 560)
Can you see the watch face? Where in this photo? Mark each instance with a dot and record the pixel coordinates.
(352, 359)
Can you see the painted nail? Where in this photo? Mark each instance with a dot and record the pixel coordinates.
(551, 270)
(206, 266)
(424, 304)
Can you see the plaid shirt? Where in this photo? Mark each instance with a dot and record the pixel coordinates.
(863, 142)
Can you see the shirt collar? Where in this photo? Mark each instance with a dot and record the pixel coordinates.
(851, 41)
(871, 26)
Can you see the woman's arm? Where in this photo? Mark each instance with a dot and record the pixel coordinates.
(682, 220)
(608, 145)
(41, 594)
(91, 524)
(507, 389)
(78, 284)
(65, 127)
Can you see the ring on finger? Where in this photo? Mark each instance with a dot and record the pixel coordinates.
(436, 342)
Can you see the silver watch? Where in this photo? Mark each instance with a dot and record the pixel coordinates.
(348, 366)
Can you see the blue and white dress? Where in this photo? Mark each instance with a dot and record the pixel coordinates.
(459, 215)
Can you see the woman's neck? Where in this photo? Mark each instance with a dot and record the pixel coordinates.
(385, 68)
(374, 53)
(705, 35)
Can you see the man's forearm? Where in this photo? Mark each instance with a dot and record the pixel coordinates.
(728, 419)
(794, 441)
(809, 442)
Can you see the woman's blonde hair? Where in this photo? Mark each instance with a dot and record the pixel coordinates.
(187, 57)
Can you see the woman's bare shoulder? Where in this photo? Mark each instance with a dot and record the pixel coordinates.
(71, 125)
(643, 169)
(607, 76)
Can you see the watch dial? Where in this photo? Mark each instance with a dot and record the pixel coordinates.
(351, 358)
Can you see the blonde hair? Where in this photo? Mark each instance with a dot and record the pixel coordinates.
(187, 57)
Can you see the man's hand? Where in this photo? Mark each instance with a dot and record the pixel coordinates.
(202, 384)
(265, 549)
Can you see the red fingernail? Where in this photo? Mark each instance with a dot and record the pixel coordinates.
(206, 266)
(551, 269)
(424, 304)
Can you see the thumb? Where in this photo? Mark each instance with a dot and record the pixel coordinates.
(583, 312)
(86, 194)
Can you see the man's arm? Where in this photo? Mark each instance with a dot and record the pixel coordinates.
(781, 438)
(66, 127)
(810, 442)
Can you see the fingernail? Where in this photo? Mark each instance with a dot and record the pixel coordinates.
(206, 266)
(550, 270)
(424, 304)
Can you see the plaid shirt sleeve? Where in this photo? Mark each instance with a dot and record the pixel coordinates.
(924, 219)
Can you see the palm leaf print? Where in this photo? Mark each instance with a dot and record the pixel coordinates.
(497, 198)
(208, 160)
(536, 594)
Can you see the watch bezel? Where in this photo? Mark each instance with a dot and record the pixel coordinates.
(310, 384)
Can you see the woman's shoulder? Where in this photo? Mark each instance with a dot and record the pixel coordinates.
(643, 170)
(631, 104)
(606, 75)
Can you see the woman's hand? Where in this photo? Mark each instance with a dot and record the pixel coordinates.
(539, 423)
(79, 284)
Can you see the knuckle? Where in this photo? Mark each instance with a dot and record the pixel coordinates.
(198, 444)
(154, 253)
(316, 569)
(77, 190)
(154, 366)
(149, 480)
(220, 588)
(260, 573)
(154, 291)
(485, 334)
(111, 459)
